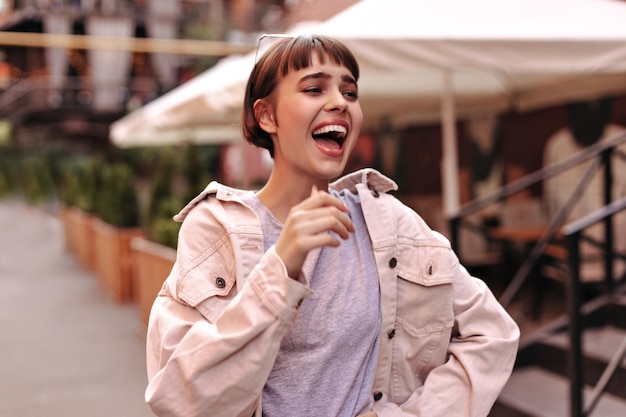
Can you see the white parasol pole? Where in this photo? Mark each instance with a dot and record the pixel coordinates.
(449, 163)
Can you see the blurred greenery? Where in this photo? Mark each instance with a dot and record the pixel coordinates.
(116, 197)
(181, 174)
(163, 229)
(140, 187)
(5, 133)
(81, 179)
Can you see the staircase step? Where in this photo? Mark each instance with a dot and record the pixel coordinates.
(617, 314)
(598, 343)
(533, 391)
(599, 346)
(606, 310)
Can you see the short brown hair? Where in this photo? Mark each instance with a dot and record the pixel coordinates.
(287, 54)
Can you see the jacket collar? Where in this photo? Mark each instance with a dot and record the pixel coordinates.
(221, 191)
(368, 176)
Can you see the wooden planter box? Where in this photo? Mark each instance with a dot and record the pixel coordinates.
(68, 230)
(77, 225)
(152, 263)
(112, 260)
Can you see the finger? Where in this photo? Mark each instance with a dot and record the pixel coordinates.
(343, 225)
(293, 246)
(323, 219)
(321, 199)
(325, 225)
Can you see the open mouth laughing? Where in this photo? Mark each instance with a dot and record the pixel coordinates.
(330, 137)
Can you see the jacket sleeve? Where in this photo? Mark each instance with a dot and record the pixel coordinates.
(199, 366)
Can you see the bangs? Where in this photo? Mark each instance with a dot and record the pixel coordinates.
(297, 53)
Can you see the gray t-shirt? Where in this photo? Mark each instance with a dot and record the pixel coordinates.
(327, 359)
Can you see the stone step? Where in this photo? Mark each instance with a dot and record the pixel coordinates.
(599, 346)
(611, 310)
(598, 343)
(535, 392)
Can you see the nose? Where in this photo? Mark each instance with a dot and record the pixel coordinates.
(336, 102)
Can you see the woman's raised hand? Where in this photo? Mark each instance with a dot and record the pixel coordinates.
(307, 227)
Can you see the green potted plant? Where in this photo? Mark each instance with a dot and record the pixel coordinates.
(116, 224)
(80, 177)
(155, 253)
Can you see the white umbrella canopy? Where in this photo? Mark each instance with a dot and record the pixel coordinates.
(500, 54)
(199, 111)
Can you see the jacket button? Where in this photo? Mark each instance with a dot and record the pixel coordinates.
(391, 333)
(393, 262)
(378, 395)
(220, 282)
(430, 270)
(375, 193)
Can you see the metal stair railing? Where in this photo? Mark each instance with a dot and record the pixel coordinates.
(601, 150)
(573, 233)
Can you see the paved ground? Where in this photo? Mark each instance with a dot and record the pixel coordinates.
(66, 350)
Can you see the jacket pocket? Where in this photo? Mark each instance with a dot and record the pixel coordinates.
(210, 285)
(425, 314)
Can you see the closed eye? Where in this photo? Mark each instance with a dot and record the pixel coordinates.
(313, 90)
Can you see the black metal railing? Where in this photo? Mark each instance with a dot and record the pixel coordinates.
(573, 234)
(601, 150)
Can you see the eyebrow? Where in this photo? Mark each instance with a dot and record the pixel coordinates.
(323, 75)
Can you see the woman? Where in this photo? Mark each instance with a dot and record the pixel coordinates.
(311, 298)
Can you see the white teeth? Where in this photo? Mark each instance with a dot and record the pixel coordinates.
(331, 128)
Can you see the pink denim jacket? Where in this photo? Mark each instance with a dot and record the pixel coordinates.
(447, 347)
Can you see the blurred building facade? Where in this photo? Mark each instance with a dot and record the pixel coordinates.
(54, 92)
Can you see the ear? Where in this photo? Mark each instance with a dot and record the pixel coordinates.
(264, 114)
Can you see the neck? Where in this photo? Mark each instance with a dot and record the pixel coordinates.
(282, 192)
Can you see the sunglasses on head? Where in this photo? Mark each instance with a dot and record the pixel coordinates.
(262, 45)
(266, 40)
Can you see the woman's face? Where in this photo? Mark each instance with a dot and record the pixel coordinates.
(316, 121)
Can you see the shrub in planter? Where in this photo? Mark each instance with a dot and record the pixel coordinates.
(117, 223)
(194, 159)
(5, 185)
(161, 188)
(78, 180)
(154, 256)
(89, 179)
(34, 181)
(163, 229)
(164, 204)
(116, 200)
(7, 176)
